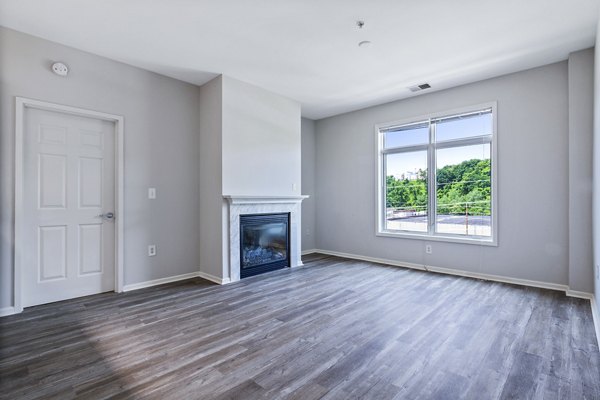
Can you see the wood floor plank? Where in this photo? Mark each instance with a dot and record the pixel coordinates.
(333, 329)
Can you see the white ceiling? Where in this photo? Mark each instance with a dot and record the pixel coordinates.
(308, 49)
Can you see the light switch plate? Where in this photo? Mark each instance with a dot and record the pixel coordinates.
(152, 193)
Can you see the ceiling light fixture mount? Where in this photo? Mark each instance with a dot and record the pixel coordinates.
(365, 43)
(60, 69)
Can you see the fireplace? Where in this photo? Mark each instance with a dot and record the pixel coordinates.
(264, 243)
(245, 205)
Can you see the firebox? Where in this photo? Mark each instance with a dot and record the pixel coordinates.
(264, 243)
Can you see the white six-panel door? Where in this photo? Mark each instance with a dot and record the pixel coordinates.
(68, 249)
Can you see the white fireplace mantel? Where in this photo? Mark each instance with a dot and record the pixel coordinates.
(264, 199)
(241, 205)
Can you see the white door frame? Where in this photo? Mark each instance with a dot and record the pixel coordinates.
(23, 103)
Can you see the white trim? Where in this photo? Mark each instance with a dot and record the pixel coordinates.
(120, 209)
(451, 271)
(160, 281)
(437, 238)
(596, 317)
(305, 252)
(19, 127)
(424, 118)
(212, 278)
(6, 311)
(579, 295)
(22, 103)
(241, 199)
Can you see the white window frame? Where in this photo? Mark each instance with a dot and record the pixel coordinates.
(431, 148)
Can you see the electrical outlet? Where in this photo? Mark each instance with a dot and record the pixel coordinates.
(307, 231)
(151, 250)
(152, 193)
(428, 249)
(597, 272)
(294, 187)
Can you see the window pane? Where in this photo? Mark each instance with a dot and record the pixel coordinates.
(464, 190)
(463, 127)
(406, 191)
(409, 135)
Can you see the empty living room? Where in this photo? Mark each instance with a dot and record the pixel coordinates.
(281, 199)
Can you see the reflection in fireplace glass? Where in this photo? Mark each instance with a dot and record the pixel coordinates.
(264, 241)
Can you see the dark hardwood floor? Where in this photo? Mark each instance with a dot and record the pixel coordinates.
(334, 329)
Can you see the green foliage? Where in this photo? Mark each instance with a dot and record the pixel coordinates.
(462, 188)
(402, 193)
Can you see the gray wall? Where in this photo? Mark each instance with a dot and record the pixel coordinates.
(211, 199)
(161, 149)
(581, 100)
(261, 141)
(596, 175)
(309, 220)
(533, 176)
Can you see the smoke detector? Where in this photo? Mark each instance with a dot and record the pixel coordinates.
(418, 88)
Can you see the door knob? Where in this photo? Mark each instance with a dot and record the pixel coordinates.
(108, 215)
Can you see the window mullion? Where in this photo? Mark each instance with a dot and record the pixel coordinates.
(384, 192)
(406, 149)
(431, 177)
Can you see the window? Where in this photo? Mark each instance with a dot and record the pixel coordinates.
(437, 177)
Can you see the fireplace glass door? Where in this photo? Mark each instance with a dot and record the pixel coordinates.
(264, 243)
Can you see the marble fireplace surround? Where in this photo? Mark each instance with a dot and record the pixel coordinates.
(240, 205)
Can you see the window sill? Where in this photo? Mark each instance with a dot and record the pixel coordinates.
(438, 238)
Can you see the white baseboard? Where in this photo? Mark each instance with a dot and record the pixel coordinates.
(161, 281)
(305, 252)
(581, 295)
(596, 317)
(6, 311)
(215, 279)
(458, 272)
